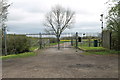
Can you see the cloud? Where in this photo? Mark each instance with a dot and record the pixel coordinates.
(28, 15)
(24, 28)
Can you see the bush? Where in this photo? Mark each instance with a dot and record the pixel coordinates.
(17, 44)
(114, 41)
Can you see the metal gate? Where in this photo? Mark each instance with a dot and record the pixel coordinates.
(67, 40)
(45, 40)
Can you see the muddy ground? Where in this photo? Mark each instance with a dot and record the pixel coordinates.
(64, 63)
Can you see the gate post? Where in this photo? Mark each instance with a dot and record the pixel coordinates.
(76, 41)
(5, 40)
(40, 41)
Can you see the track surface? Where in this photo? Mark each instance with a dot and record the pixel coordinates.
(64, 63)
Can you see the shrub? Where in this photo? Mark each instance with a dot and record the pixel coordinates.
(17, 44)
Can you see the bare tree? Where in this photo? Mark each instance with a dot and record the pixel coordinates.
(3, 10)
(57, 20)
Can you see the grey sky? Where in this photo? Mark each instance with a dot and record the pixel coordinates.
(27, 16)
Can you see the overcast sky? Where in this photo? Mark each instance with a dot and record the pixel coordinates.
(27, 16)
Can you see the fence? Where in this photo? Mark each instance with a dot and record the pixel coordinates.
(18, 43)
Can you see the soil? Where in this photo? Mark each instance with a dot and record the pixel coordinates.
(63, 63)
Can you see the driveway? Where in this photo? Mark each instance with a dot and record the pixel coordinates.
(64, 63)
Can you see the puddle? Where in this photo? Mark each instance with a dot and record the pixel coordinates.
(102, 67)
(81, 66)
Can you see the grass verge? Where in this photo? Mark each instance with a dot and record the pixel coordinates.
(107, 52)
(98, 51)
(92, 48)
(26, 54)
(22, 55)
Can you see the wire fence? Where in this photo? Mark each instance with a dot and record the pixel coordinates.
(19, 43)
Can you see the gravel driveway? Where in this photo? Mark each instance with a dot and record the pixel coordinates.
(64, 63)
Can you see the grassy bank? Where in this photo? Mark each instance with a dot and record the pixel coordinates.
(92, 48)
(22, 55)
(98, 51)
(26, 54)
(107, 52)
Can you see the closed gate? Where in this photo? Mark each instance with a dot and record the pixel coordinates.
(50, 40)
(45, 40)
